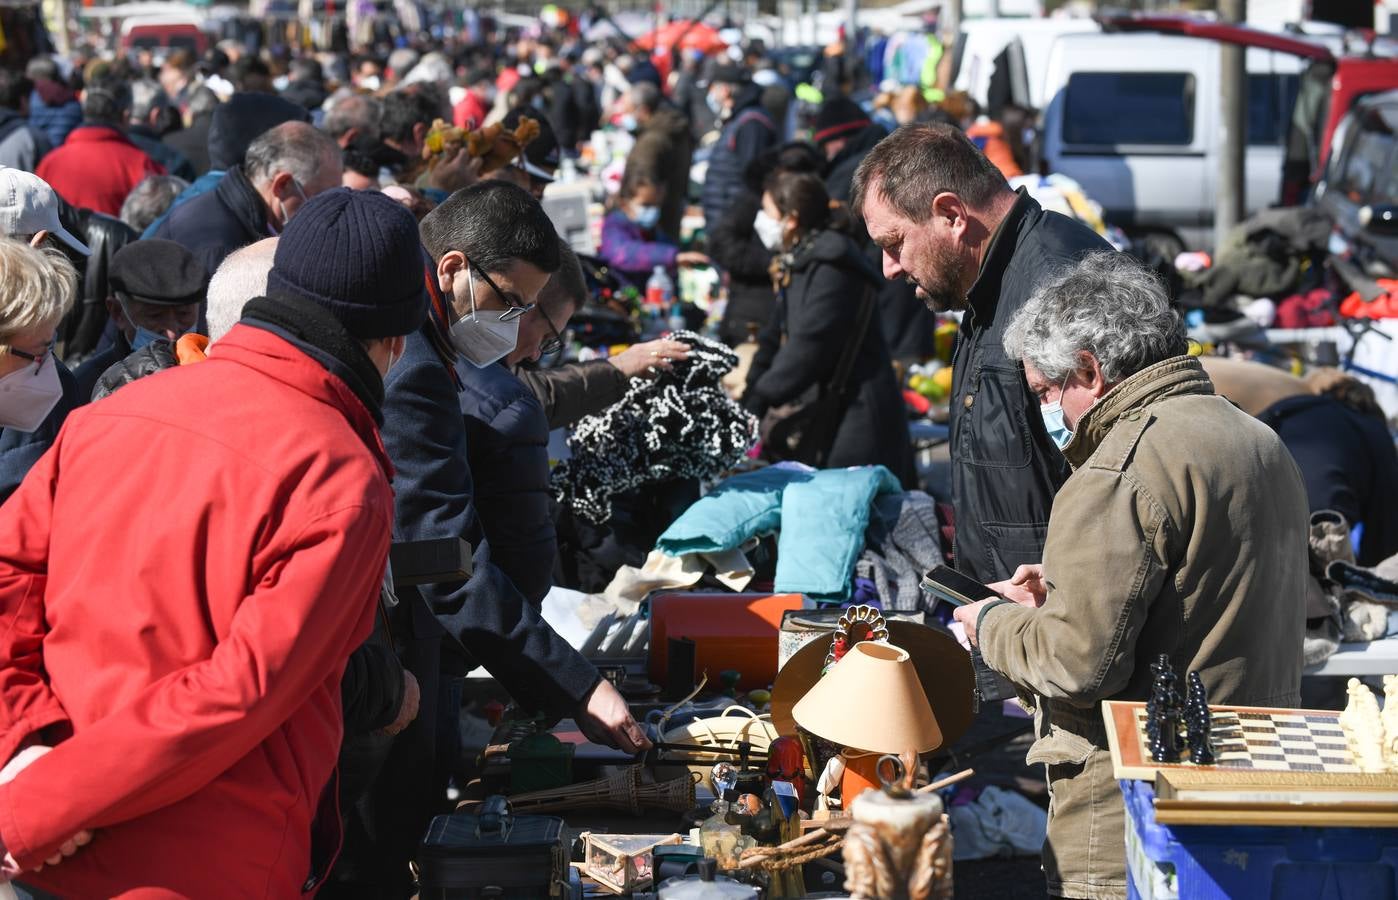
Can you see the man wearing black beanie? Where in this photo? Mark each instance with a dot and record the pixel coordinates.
(187, 677)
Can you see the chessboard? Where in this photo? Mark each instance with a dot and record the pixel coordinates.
(1306, 742)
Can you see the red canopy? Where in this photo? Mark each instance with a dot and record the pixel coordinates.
(689, 35)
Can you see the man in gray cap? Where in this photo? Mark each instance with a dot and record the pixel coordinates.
(157, 288)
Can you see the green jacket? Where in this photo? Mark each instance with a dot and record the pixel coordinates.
(1182, 530)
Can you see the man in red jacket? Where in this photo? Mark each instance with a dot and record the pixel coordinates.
(97, 166)
(184, 574)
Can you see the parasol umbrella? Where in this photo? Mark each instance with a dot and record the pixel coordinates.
(687, 34)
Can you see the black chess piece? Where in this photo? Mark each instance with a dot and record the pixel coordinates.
(1165, 742)
(1199, 722)
(1159, 693)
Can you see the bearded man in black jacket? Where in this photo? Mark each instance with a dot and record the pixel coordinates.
(947, 221)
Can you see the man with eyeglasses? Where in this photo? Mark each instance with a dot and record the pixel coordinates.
(572, 391)
(491, 249)
(284, 167)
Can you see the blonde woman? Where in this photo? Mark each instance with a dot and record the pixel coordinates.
(37, 287)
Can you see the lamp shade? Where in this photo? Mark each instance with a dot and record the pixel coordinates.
(871, 700)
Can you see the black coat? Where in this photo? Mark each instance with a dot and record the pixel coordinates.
(735, 247)
(1348, 463)
(745, 136)
(908, 325)
(81, 331)
(507, 440)
(214, 224)
(193, 142)
(1005, 470)
(801, 346)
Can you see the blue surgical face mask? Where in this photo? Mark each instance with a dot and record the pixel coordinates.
(1058, 430)
(715, 104)
(144, 337)
(646, 216)
(628, 123)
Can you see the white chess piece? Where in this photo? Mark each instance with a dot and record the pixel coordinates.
(1390, 721)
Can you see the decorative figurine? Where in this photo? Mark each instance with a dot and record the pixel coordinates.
(900, 845)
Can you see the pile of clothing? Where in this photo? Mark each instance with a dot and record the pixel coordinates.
(680, 425)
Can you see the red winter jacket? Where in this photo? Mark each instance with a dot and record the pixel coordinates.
(96, 168)
(182, 578)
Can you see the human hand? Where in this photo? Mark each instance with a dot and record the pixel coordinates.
(407, 710)
(460, 170)
(21, 761)
(968, 615)
(605, 719)
(691, 258)
(648, 359)
(1026, 586)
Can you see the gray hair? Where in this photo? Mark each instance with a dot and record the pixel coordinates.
(241, 277)
(294, 147)
(354, 112)
(150, 199)
(1108, 305)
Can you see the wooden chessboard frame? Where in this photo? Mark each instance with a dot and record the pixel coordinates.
(1204, 797)
(1131, 758)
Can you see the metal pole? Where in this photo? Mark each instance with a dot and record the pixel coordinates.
(851, 27)
(1233, 87)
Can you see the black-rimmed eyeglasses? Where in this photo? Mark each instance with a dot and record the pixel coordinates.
(555, 341)
(511, 311)
(36, 358)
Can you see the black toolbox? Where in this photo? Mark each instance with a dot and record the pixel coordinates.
(494, 853)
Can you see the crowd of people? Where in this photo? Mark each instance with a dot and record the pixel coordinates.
(259, 318)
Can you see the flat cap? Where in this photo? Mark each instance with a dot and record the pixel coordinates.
(156, 271)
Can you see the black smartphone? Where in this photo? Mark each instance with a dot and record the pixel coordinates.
(945, 583)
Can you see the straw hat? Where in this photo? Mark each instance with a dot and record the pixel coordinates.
(943, 670)
(871, 700)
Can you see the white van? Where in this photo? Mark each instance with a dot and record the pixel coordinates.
(1136, 120)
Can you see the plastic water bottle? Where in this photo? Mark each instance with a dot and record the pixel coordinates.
(676, 322)
(660, 290)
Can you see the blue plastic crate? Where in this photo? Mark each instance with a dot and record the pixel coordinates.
(1202, 862)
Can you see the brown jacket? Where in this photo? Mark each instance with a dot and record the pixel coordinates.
(664, 151)
(1182, 530)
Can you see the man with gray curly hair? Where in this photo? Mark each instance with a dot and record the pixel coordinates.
(1182, 531)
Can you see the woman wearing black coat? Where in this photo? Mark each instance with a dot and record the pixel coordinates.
(823, 282)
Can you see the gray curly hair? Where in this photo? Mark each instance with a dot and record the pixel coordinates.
(1108, 305)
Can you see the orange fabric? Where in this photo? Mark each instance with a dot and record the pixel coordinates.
(990, 138)
(191, 348)
(1385, 307)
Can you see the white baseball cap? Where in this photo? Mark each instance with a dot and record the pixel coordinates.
(28, 206)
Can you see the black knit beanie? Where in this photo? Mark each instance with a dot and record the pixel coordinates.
(838, 117)
(357, 253)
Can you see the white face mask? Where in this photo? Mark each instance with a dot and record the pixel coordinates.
(769, 231)
(27, 397)
(481, 337)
